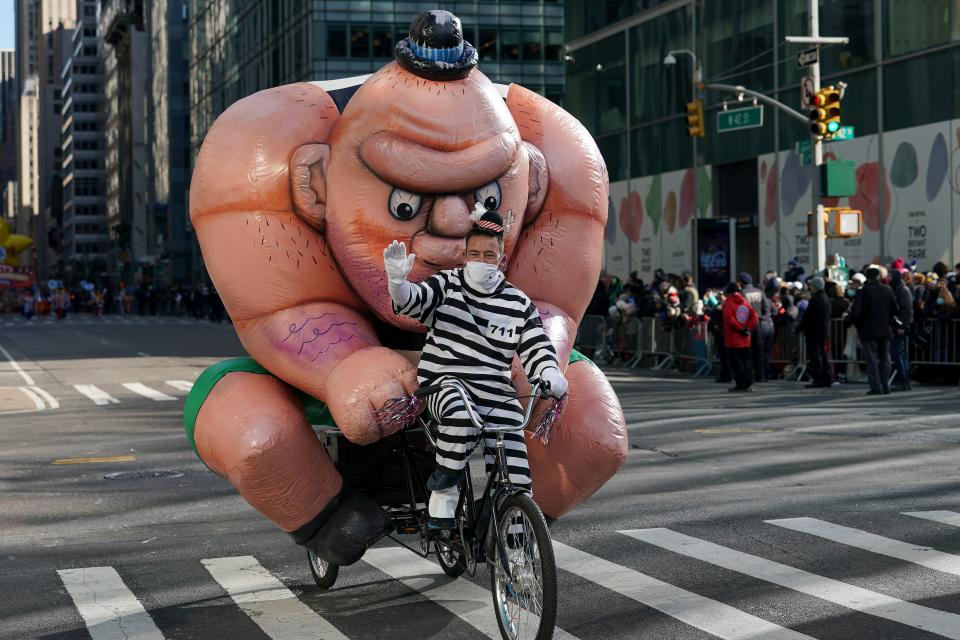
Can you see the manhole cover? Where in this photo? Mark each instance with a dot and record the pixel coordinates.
(140, 475)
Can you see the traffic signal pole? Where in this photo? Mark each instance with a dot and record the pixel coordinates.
(819, 257)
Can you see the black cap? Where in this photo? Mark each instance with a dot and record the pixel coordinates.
(435, 48)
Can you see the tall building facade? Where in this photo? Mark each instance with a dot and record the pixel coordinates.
(168, 125)
(84, 229)
(8, 126)
(123, 51)
(678, 202)
(238, 48)
(44, 30)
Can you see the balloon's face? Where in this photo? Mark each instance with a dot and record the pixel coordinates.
(409, 160)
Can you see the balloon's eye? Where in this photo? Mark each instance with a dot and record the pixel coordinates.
(404, 205)
(489, 195)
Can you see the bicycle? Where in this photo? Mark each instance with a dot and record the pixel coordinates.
(504, 527)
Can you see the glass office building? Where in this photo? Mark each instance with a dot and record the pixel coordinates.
(238, 48)
(670, 192)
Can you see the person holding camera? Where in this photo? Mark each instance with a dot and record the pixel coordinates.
(740, 320)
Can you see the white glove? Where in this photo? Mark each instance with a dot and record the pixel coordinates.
(557, 383)
(396, 262)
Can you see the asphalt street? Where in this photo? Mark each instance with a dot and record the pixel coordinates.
(786, 513)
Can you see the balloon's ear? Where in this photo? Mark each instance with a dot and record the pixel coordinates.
(308, 181)
(538, 181)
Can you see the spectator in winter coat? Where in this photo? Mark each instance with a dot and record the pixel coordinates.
(872, 313)
(739, 322)
(815, 325)
(898, 343)
(762, 342)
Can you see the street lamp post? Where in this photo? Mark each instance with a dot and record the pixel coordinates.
(669, 60)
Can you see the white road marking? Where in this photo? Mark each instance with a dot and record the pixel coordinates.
(181, 385)
(917, 554)
(715, 618)
(53, 402)
(95, 393)
(944, 517)
(148, 392)
(267, 602)
(466, 600)
(841, 593)
(109, 609)
(37, 400)
(16, 367)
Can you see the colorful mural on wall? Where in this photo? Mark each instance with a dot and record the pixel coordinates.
(910, 199)
(650, 225)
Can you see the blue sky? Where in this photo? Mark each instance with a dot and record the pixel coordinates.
(6, 24)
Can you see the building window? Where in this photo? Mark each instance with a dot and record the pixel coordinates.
(913, 25)
(509, 45)
(531, 45)
(360, 42)
(487, 44)
(383, 41)
(336, 41)
(553, 48)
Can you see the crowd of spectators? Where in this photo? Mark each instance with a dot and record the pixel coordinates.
(201, 301)
(794, 302)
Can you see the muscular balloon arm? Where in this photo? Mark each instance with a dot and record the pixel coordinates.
(557, 258)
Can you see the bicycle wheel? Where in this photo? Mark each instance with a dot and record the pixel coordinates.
(450, 561)
(526, 603)
(324, 573)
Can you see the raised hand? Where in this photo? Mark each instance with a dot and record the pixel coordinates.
(396, 262)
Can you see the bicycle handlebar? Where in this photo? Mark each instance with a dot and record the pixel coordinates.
(429, 390)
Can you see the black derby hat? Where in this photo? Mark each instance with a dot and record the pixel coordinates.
(435, 48)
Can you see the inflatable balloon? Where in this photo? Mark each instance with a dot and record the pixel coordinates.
(12, 244)
(295, 193)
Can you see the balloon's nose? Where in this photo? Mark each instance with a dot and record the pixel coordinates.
(449, 217)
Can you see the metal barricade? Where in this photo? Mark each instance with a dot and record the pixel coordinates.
(591, 336)
(934, 342)
(790, 350)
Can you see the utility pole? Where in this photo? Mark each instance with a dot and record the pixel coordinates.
(819, 257)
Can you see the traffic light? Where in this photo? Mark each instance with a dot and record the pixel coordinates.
(825, 115)
(695, 128)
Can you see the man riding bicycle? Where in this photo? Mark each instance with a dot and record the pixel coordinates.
(477, 322)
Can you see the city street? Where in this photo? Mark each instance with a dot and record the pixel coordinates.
(786, 513)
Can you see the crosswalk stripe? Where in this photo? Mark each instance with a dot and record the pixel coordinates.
(715, 618)
(95, 393)
(109, 609)
(147, 392)
(267, 602)
(944, 517)
(53, 402)
(917, 554)
(841, 593)
(181, 385)
(37, 400)
(466, 600)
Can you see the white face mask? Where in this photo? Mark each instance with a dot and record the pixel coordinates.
(482, 276)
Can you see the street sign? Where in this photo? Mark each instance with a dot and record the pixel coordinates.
(843, 133)
(808, 57)
(736, 119)
(806, 93)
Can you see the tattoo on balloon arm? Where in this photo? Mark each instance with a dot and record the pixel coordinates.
(316, 335)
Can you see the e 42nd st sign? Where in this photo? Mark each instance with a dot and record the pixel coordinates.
(736, 119)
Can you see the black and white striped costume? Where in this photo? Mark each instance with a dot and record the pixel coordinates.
(472, 339)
